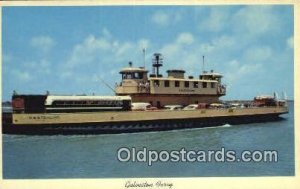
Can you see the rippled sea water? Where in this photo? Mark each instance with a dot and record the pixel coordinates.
(95, 156)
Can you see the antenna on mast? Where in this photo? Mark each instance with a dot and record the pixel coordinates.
(144, 57)
(203, 70)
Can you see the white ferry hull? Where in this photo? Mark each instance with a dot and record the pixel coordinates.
(135, 121)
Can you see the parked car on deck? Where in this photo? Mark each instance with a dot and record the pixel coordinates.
(173, 107)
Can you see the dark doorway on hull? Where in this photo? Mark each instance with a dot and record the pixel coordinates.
(151, 103)
(158, 104)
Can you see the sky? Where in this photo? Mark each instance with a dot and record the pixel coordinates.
(68, 50)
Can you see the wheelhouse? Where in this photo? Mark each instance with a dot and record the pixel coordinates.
(134, 73)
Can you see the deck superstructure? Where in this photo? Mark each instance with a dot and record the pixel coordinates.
(173, 89)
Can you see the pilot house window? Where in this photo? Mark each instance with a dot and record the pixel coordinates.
(167, 83)
(195, 84)
(177, 84)
(138, 75)
(128, 76)
(186, 84)
(212, 85)
(204, 84)
(156, 83)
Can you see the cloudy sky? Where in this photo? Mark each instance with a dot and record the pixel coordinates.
(65, 50)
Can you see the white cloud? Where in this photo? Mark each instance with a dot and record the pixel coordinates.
(224, 42)
(216, 20)
(44, 43)
(22, 76)
(185, 38)
(218, 56)
(42, 66)
(247, 21)
(164, 18)
(97, 53)
(87, 51)
(206, 48)
(124, 48)
(255, 20)
(258, 54)
(92, 43)
(161, 18)
(66, 74)
(170, 50)
(182, 53)
(29, 70)
(106, 33)
(236, 71)
(290, 42)
(143, 43)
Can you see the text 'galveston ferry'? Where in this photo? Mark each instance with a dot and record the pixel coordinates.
(143, 102)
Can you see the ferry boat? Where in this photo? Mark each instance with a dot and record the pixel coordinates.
(142, 103)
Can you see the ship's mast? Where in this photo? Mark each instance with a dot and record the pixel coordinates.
(157, 63)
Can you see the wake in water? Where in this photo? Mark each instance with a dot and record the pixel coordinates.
(12, 138)
(226, 125)
(15, 138)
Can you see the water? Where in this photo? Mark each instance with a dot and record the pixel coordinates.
(95, 156)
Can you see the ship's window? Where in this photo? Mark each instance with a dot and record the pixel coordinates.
(186, 84)
(204, 84)
(167, 83)
(70, 102)
(156, 83)
(177, 84)
(78, 102)
(137, 75)
(127, 76)
(212, 85)
(94, 102)
(195, 84)
(140, 75)
(58, 103)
